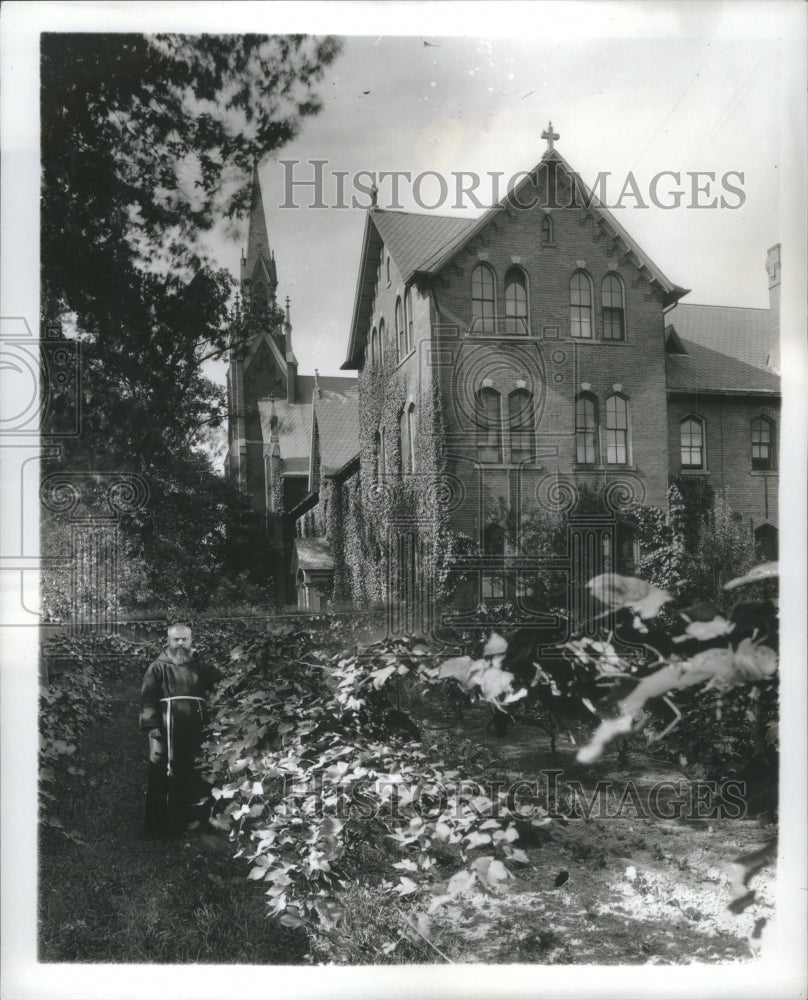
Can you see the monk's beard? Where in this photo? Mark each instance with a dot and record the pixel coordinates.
(180, 654)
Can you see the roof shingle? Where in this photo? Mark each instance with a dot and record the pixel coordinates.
(313, 553)
(413, 238)
(734, 330)
(705, 370)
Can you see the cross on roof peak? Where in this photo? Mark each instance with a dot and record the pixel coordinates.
(550, 135)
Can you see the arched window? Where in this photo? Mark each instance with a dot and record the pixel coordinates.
(691, 438)
(401, 336)
(586, 429)
(411, 437)
(581, 305)
(515, 302)
(614, 314)
(381, 343)
(483, 299)
(388, 269)
(766, 543)
(546, 230)
(377, 456)
(617, 430)
(489, 426)
(403, 442)
(521, 426)
(763, 444)
(374, 347)
(408, 317)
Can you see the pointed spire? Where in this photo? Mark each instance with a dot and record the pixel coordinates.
(288, 314)
(316, 383)
(258, 238)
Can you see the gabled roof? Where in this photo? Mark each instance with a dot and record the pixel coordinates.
(707, 371)
(312, 554)
(337, 424)
(734, 330)
(415, 238)
(423, 244)
(304, 385)
(337, 417)
(294, 431)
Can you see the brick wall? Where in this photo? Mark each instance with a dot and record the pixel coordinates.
(554, 365)
(728, 437)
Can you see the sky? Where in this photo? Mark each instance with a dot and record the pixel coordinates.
(687, 92)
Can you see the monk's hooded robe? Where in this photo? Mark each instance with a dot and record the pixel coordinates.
(172, 699)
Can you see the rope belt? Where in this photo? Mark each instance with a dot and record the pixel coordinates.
(169, 702)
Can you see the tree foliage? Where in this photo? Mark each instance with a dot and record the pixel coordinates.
(146, 143)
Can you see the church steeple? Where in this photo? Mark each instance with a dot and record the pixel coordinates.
(259, 265)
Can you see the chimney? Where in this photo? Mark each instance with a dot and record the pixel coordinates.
(773, 271)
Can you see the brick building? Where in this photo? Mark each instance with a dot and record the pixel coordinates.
(503, 364)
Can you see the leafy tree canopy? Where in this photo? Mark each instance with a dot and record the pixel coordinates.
(147, 142)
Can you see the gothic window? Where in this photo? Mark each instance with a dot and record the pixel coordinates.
(401, 335)
(374, 347)
(581, 305)
(521, 426)
(546, 230)
(381, 343)
(388, 269)
(489, 426)
(411, 437)
(382, 466)
(614, 314)
(515, 302)
(483, 299)
(617, 430)
(403, 443)
(586, 429)
(763, 444)
(377, 456)
(691, 437)
(408, 317)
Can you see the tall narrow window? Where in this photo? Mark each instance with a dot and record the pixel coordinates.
(483, 299)
(404, 443)
(614, 315)
(763, 444)
(382, 454)
(408, 318)
(411, 436)
(374, 347)
(401, 336)
(586, 429)
(521, 426)
(489, 426)
(381, 343)
(515, 302)
(691, 436)
(617, 430)
(388, 269)
(581, 305)
(546, 230)
(377, 456)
